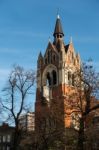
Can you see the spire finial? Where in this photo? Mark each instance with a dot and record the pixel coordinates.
(71, 39)
(49, 39)
(58, 17)
(58, 14)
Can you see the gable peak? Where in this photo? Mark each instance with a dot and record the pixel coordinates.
(40, 55)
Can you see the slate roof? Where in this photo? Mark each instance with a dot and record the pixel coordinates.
(58, 27)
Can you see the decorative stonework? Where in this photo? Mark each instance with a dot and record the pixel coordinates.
(55, 77)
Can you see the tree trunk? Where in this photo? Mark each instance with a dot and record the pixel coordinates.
(81, 135)
(16, 138)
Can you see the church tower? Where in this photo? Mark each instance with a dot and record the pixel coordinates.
(55, 74)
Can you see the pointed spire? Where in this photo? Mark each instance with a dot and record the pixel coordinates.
(40, 55)
(78, 56)
(71, 40)
(58, 27)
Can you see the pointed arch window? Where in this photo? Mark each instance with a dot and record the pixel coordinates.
(48, 57)
(69, 78)
(73, 82)
(48, 82)
(51, 56)
(54, 58)
(54, 76)
(45, 61)
(72, 55)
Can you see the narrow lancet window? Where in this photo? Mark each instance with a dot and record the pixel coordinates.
(54, 75)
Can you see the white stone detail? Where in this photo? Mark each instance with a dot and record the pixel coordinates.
(46, 92)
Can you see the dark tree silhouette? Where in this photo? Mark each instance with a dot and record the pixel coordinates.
(19, 85)
(87, 83)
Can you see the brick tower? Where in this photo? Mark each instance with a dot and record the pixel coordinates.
(55, 75)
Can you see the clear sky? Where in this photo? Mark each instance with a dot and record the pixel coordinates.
(25, 27)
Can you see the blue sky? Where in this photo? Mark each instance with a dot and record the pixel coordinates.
(25, 27)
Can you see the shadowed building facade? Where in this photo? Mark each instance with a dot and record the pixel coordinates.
(6, 137)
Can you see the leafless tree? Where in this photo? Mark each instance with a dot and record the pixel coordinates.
(14, 101)
(49, 126)
(87, 84)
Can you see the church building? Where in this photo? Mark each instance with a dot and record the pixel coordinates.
(55, 76)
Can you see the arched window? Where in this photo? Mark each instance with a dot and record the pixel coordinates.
(54, 58)
(69, 78)
(54, 76)
(48, 57)
(48, 79)
(45, 61)
(60, 36)
(72, 56)
(73, 82)
(57, 36)
(51, 56)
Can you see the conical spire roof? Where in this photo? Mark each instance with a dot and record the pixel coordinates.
(40, 55)
(58, 27)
